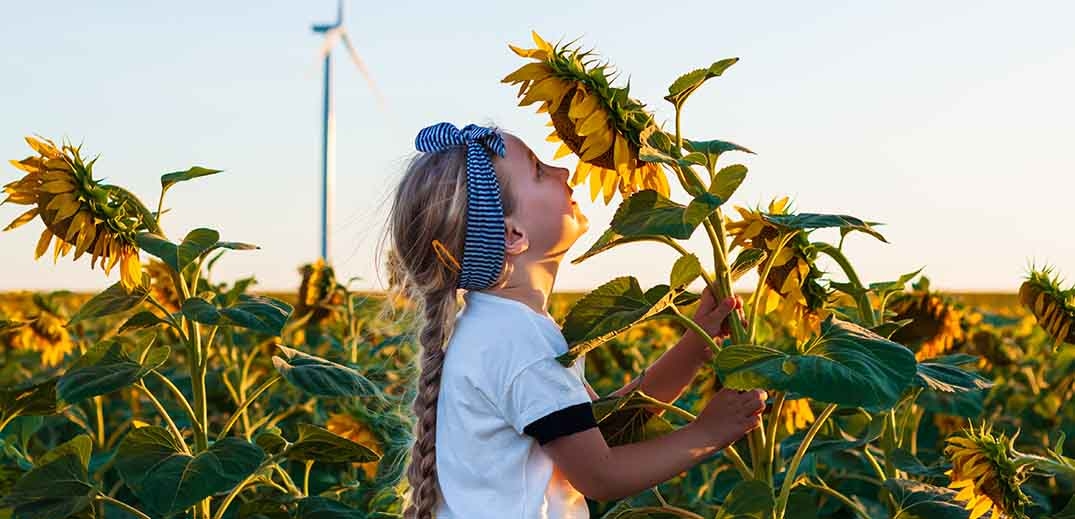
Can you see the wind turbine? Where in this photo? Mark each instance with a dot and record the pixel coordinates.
(334, 33)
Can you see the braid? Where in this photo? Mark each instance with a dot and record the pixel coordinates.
(439, 309)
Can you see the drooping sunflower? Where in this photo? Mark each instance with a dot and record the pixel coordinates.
(793, 284)
(347, 426)
(1053, 307)
(935, 321)
(79, 213)
(797, 414)
(599, 123)
(319, 293)
(986, 474)
(42, 331)
(161, 286)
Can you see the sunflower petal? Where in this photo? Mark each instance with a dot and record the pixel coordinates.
(45, 147)
(530, 72)
(43, 243)
(22, 219)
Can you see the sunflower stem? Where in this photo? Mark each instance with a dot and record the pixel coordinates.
(120, 504)
(793, 468)
(861, 298)
(754, 298)
(774, 420)
(855, 507)
(141, 386)
(245, 404)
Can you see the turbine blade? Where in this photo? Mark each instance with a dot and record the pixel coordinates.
(361, 66)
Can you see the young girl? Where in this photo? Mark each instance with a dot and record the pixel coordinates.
(503, 430)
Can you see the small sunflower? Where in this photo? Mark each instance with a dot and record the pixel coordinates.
(80, 213)
(935, 321)
(797, 414)
(1053, 307)
(599, 123)
(793, 280)
(319, 293)
(42, 331)
(161, 286)
(347, 426)
(985, 473)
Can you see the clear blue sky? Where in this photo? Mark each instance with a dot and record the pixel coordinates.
(952, 122)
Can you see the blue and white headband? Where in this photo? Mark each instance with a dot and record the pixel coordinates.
(483, 244)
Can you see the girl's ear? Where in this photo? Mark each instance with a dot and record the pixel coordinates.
(516, 239)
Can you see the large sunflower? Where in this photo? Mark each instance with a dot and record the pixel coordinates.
(793, 280)
(1053, 307)
(599, 123)
(80, 213)
(987, 475)
(797, 414)
(347, 426)
(42, 331)
(935, 322)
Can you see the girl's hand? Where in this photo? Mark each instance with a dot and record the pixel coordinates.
(712, 317)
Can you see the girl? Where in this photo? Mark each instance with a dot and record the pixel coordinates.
(503, 430)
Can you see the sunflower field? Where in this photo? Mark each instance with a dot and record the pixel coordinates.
(173, 394)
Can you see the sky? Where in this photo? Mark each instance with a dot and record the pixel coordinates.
(950, 122)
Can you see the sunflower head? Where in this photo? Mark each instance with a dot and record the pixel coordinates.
(793, 281)
(347, 426)
(935, 321)
(599, 123)
(986, 473)
(1053, 307)
(319, 293)
(42, 331)
(161, 287)
(797, 414)
(79, 213)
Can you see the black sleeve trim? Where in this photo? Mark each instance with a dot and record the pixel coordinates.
(566, 421)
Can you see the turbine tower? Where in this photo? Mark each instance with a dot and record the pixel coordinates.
(334, 33)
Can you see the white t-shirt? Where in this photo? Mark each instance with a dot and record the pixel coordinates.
(500, 374)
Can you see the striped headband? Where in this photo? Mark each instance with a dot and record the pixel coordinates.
(483, 243)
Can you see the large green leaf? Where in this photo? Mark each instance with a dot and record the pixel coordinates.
(168, 480)
(910, 464)
(746, 260)
(648, 213)
(751, 498)
(916, 500)
(948, 378)
(112, 300)
(29, 400)
(196, 243)
(105, 368)
(611, 239)
(318, 444)
(685, 85)
(321, 377)
(846, 364)
(170, 179)
(811, 221)
(712, 150)
(628, 419)
(842, 443)
(261, 314)
(608, 311)
(141, 321)
(686, 269)
(58, 486)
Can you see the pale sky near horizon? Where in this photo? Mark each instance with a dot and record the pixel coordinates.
(951, 122)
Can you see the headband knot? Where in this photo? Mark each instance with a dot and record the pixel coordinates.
(483, 243)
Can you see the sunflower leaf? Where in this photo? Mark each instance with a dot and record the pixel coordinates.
(60, 487)
(628, 418)
(648, 213)
(105, 368)
(948, 378)
(686, 269)
(321, 377)
(751, 498)
(112, 300)
(811, 221)
(712, 149)
(316, 507)
(170, 179)
(261, 314)
(319, 444)
(612, 239)
(846, 364)
(609, 310)
(29, 400)
(746, 261)
(686, 84)
(922, 500)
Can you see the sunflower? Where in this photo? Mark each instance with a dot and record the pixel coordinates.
(1053, 307)
(797, 414)
(793, 281)
(985, 473)
(349, 427)
(43, 332)
(81, 214)
(599, 123)
(935, 321)
(319, 293)
(161, 286)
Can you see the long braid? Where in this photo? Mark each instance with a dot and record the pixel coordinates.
(438, 309)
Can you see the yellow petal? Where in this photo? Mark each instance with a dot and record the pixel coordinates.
(131, 271)
(609, 187)
(529, 53)
(981, 508)
(22, 219)
(99, 248)
(85, 239)
(621, 154)
(44, 147)
(582, 104)
(57, 186)
(596, 145)
(43, 243)
(549, 89)
(582, 170)
(529, 72)
(562, 151)
(57, 249)
(76, 225)
(596, 121)
(541, 43)
(113, 255)
(596, 180)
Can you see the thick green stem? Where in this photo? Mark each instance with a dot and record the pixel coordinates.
(697, 329)
(774, 421)
(855, 507)
(306, 477)
(179, 398)
(793, 468)
(755, 297)
(164, 415)
(245, 404)
(888, 442)
(99, 408)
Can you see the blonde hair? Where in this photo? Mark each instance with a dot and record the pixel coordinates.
(430, 203)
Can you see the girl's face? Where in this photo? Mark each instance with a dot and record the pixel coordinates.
(544, 213)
